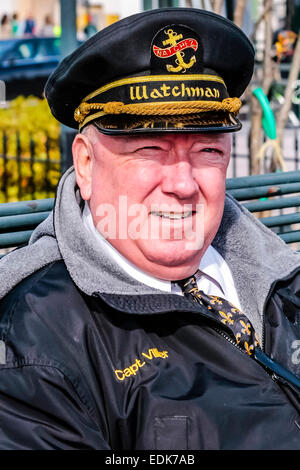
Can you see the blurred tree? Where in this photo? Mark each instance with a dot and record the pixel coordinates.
(282, 115)
(266, 75)
(217, 6)
(239, 12)
(256, 133)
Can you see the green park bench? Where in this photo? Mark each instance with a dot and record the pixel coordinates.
(273, 197)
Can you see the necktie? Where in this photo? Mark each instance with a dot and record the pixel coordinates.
(226, 313)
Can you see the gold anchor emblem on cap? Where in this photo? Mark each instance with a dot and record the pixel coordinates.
(181, 65)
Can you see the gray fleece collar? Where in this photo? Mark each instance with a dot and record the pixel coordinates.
(254, 254)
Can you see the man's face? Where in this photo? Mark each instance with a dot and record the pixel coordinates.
(163, 192)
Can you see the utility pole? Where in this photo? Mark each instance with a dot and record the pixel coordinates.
(68, 44)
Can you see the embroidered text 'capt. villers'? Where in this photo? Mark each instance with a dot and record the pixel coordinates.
(173, 49)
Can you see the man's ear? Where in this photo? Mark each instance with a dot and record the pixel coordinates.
(82, 159)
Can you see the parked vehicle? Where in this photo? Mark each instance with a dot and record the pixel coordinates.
(26, 63)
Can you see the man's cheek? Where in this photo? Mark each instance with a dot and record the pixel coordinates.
(146, 173)
(214, 193)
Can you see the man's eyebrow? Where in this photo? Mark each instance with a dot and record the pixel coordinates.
(146, 141)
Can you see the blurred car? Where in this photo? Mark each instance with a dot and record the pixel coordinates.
(26, 63)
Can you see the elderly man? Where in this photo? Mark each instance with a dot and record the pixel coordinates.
(145, 313)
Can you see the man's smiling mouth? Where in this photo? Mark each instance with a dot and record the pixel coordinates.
(172, 215)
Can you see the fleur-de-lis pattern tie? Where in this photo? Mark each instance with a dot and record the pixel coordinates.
(226, 313)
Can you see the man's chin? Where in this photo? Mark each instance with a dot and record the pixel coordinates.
(172, 254)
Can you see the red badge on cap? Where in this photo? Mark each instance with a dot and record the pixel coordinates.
(177, 39)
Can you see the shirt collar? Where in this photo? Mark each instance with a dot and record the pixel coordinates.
(208, 268)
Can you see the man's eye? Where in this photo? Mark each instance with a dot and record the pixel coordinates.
(212, 150)
(151, 147)
(149, 150)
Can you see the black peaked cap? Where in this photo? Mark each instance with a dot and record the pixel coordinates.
(124, 50)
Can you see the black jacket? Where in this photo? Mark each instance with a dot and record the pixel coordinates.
(143, 372)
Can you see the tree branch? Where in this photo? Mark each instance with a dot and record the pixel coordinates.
(217, 6)
(239, 12)
(282, 115)
(267, 9)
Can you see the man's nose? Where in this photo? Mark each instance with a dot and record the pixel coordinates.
(178, 180)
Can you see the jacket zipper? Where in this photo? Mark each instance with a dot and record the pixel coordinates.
(233, 342)
(222, 333)
(278, 379)
(271, 375)
(263, 315)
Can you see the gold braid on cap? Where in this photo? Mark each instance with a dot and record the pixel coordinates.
(231, 105)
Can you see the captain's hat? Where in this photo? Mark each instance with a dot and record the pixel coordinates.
(165, 70)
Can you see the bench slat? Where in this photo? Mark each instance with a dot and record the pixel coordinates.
(271, 204)
(14, 238)
(22, 221)
(26, 207)
(291, 237)
(279, 220)
(245, 194)
(263, 180)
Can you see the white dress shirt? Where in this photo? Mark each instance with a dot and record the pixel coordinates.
(213, 276)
